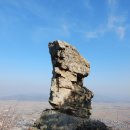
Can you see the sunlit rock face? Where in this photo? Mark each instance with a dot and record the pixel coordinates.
(67, 93)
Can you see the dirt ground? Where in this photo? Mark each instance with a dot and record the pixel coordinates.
(23, 113)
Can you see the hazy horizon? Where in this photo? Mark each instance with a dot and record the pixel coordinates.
(98, 29)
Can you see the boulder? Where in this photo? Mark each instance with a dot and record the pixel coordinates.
(55, 120)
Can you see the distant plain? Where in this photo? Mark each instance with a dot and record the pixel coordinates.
(116, 115)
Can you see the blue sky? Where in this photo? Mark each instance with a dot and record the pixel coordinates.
(99, 29)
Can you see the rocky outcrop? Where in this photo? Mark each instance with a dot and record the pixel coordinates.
(68, 94)
(71, 101)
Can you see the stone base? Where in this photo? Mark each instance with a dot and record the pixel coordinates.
(54, 120)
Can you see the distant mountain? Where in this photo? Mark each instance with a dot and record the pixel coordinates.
(24, 97)
(102, 98)
(44, 97)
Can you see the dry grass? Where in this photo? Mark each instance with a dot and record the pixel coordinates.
(8, 118)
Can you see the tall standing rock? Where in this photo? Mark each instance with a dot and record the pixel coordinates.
(68, 94)
(70, 99)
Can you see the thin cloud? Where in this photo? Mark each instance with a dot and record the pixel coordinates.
(121, 32)
(33, 7)
(65, 28)
(93, 34)
(112, 2)
(115, 23)
(43, 33)
(88, 5)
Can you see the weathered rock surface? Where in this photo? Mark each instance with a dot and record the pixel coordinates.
(68, 94)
